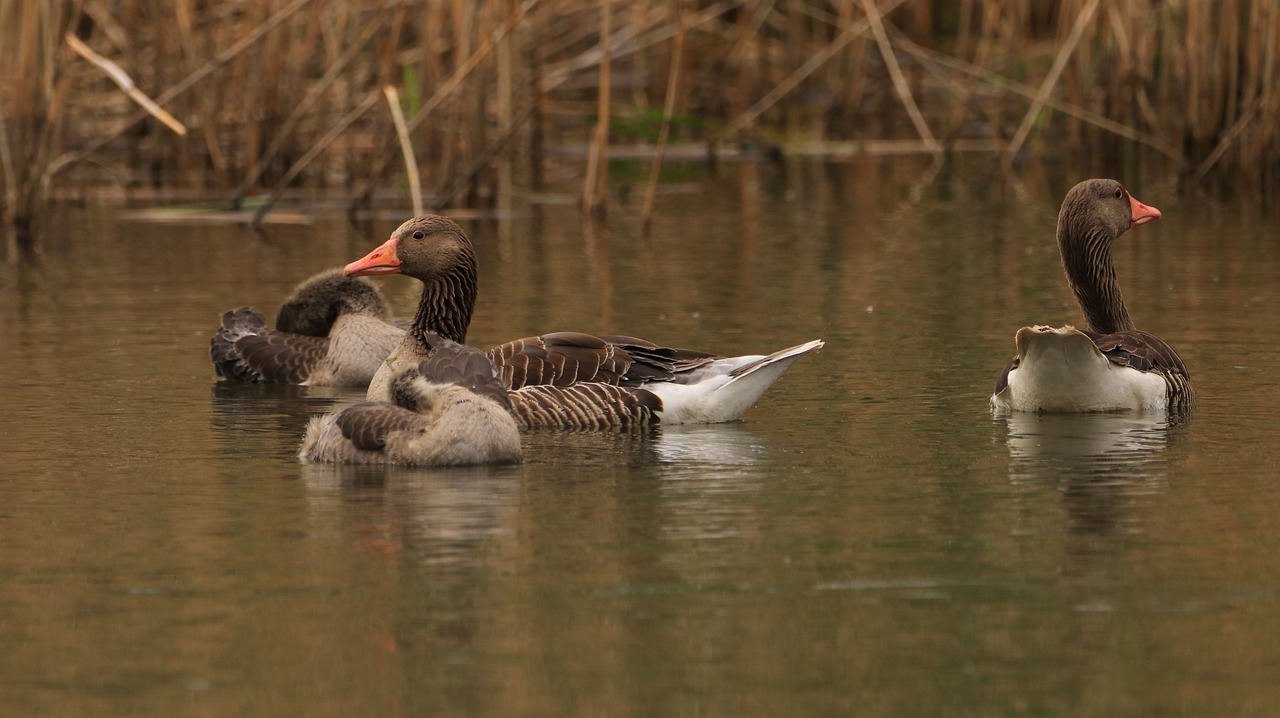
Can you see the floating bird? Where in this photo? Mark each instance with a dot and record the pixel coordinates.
(580, 380)
(1110, 364)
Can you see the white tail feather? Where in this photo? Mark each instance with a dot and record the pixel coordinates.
(724, 389)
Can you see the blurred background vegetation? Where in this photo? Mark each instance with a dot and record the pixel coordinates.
(252, 101)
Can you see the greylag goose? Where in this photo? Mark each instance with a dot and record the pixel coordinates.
(1109, 365)
(566, 379)
(448, 410)
(333, 330)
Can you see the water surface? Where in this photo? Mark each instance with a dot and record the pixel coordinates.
(869, 540)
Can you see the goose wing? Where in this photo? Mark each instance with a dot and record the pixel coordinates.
(589, 406)
(367, 424)
(244, 349)
(281, 356)
(567, 358)
(1147, 352)
(651, 362)
(453, 363)
(1140, 350)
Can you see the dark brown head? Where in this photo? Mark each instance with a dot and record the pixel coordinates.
(435, 250)
(315, 304)
(423, 247)
(1101, 209)
(1093, 214)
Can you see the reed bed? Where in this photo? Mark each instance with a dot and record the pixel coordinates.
(288, 99)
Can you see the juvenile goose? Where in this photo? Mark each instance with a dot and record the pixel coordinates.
(450, 409)
(333, 330)
(581, 380)
(1109, 365)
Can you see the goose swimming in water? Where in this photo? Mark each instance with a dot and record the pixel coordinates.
(1109, 365)
(332, 330)
(448, 410)
(565, 379)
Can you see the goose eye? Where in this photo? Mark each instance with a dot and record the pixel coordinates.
(419, 234)
(1119, 193)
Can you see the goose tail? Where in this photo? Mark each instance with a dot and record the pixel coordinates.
(724, 389)
(1062, 370)
(228, 361)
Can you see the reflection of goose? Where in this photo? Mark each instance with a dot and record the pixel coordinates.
(1121, 449)
(693, 451)
(266, 419)
(436, 516)
(331, 331)
(1085, 441)
(728, 447)
(1098, 463)
(449, 410)
(1101, 469)
(1110, 365)
(566, 379)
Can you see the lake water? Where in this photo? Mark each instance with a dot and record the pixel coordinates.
(868, 541)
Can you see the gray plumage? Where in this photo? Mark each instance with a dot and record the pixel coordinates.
(449, 409)
(332, 330)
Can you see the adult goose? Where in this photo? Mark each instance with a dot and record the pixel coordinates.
(1109, 365)
(448, 410)
(566, 379)
(333, 330)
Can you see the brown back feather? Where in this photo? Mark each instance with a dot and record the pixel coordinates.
(367, 424)
(1147, 352)
(282, 357)
(467, 367)
(590, 406)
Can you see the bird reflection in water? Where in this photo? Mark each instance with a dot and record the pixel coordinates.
(268, 420)
(1100, 462)
(441, 516)
(706, 450)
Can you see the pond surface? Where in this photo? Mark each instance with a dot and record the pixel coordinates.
(868, 541)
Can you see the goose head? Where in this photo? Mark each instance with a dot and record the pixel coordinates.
(1101, 209)
(434, 250)
(1093, 215)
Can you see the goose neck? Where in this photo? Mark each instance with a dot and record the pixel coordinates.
(1091, 273)
(445, 307)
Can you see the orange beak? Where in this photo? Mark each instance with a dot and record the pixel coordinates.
(384, 260)
(1141, 212)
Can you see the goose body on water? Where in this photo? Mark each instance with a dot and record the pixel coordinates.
(564, 379)
(447, 410)
(1109, 364)
(332, 330)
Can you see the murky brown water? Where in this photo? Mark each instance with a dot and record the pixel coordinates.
(868, 541)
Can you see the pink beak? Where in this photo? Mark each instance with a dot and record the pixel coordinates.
(1141, 212)
(384, 260)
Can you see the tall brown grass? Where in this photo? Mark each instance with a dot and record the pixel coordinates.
(285, 98)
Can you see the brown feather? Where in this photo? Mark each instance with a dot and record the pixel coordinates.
(464, 366)
(282, 357)
(1146, 352)
(367, 424)
(590, 406)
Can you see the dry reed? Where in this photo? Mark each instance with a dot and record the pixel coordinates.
(279, 95)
